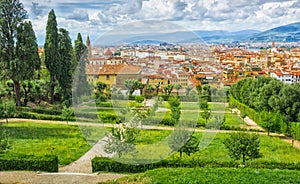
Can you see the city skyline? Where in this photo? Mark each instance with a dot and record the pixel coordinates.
(94, 18)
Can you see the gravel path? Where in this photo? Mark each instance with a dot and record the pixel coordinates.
(83, 164)
(22, 177)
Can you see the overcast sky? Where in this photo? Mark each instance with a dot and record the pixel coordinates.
(94, 17)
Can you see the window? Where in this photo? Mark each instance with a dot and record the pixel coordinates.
(107, 77)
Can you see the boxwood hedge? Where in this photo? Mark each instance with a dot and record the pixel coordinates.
(48, 163)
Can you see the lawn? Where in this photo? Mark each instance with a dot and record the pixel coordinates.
(153, 144)
(212, 176)
(67, 142)
(271, 148)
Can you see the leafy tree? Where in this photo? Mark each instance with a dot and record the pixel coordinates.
(67, 113)
(27, 88)
(199, 89)
(100, 86)
(174, 103)
(3, 92)
(177, 87)
(271, 121)
(140, 86)
(188, 90)
(51, 49)
(243, 146)
(150, 88)
(7, 109)
(192, 146)
(27, 60)
(183, 141)
(206, 114)
(121, 140)
(65, 76)
(131, 85)
(4, 141)
(81, 86)
(157, 86)
(16, 58)
(168, 89)
(203, 104)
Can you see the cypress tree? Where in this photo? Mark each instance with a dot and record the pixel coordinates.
(51, 51)
(65, 58)
(81, 86)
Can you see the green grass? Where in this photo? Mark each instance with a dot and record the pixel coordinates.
(271, 148)
(67, 142)
(212, 176)
(233, 120)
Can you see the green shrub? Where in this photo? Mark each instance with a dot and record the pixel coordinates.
(108, 165)
(47, 163)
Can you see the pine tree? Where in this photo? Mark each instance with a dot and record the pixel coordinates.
(51, 51)
(65, 57)
(81, 86)
(12, 14)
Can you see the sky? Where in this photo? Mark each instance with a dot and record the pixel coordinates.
(97, 17)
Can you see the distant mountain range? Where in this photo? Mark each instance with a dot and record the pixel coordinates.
(288, 33)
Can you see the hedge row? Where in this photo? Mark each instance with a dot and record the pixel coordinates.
(48, 163)
(108, 165)
(30, 115)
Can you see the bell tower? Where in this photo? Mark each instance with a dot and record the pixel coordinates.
(88, 45)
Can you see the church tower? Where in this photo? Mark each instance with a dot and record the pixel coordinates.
(88, 45)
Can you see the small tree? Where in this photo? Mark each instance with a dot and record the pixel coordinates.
(183, 141)
(67, 113)
(157, 86)
(4, 142)
(243, 146)
(271, 121)
(178, 87)
(168, 89)
(174, 103)
(121, 140)
(188, 90)
(203, 104)
(206, 114)
(7, 109)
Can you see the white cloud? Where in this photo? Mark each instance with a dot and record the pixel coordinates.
(94, 16)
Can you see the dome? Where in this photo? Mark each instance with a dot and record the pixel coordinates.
(108, 53)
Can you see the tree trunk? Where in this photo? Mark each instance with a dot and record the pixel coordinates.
(17, 92)
(243, 158)
(52, 85)
(180, 155)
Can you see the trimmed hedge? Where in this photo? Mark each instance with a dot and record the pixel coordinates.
(108, 165)
(48, 163)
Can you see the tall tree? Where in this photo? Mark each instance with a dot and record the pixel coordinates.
(27, 60)
(51, 51)
(65, 56)
(12, 14)
(81, 86)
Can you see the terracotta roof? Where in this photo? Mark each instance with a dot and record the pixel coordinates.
(119, 69)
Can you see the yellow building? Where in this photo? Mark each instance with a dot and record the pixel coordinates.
(158, 79)
(116, 75)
